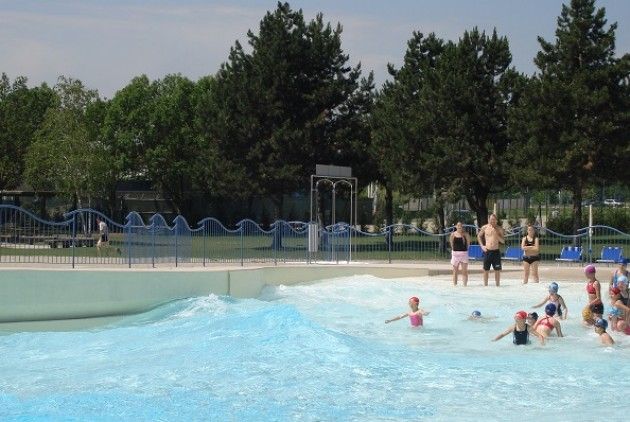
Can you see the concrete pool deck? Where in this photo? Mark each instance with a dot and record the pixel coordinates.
(36, 296)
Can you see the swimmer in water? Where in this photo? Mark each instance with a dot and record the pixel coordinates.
(548, 323)
(556, 299)
(520, 330)
(531, 319)
(476, 316)
(415, 315)
(595, 308)
(622, 271)
(618, 314)
(600, 328)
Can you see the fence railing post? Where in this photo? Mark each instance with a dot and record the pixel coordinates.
(389, 240)
(242, 244)
(204, 244)
(275, 245)
(127, 229)
(176, 248)
(153, 244)
(74, 236)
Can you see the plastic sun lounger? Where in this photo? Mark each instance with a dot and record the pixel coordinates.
(475, 253)
(611, 255)
(570, 254)
(513, 253)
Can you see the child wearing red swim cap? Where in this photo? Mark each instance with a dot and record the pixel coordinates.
(520, 330)
(415, 315)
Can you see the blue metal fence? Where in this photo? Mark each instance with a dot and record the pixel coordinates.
(26, 238)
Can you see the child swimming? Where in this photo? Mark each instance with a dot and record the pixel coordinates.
(545, 325)
(531, 319)
(415, 315)
(476, 316)
(520, 331)
(556, 299)
(618, 311)
(600, 328)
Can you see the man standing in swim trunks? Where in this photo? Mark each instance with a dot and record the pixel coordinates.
(490, 237)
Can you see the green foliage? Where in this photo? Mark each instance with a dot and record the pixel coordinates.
(290, 103)
(396, 136)
(572, 122)
(618, 218)
(64, 156)
(22, 111)
(463, 216)
(562, 223)
(440, 126)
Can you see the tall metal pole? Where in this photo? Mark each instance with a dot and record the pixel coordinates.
(352, 223)
(74, 235)
(334, 222)
(590, 233)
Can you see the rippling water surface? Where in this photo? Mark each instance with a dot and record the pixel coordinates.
(320, 352)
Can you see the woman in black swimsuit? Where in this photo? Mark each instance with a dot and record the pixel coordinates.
(531, 248)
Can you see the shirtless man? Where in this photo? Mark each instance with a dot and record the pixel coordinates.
(490, 237)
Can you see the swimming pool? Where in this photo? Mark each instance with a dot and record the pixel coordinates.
(320, 351)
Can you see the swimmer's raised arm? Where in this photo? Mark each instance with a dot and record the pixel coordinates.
(396, 318)
(505, 333)
(541, 303)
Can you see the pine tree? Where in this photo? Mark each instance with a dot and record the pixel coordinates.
(572, 123)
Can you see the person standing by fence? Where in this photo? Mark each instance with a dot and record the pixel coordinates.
(103, 235)
(490, 237)
(459, 240)
(531, 248)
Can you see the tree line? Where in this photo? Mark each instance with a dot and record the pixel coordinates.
(456, 119)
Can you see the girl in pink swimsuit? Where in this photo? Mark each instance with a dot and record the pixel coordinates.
(415, 315)
(545, 325)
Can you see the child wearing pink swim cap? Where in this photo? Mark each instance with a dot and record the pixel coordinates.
(594, 308)
(415, 315)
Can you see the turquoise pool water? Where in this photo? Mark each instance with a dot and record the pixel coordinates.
(320, 352)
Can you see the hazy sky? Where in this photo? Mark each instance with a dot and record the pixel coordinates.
(107, 43)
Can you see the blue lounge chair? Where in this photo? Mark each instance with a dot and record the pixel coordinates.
(570, 254)
(513, 253)
(611, 255)
(475, 253)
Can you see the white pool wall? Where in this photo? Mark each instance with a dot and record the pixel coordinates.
(52, 294)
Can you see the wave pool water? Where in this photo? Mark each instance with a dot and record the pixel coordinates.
(320, 351)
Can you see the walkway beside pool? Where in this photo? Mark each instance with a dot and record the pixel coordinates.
(548, 271)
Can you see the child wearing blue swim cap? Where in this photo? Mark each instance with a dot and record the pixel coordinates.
(620, 273)
(548, 323)
(553, 297)
(600, 328)
(476, 316)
